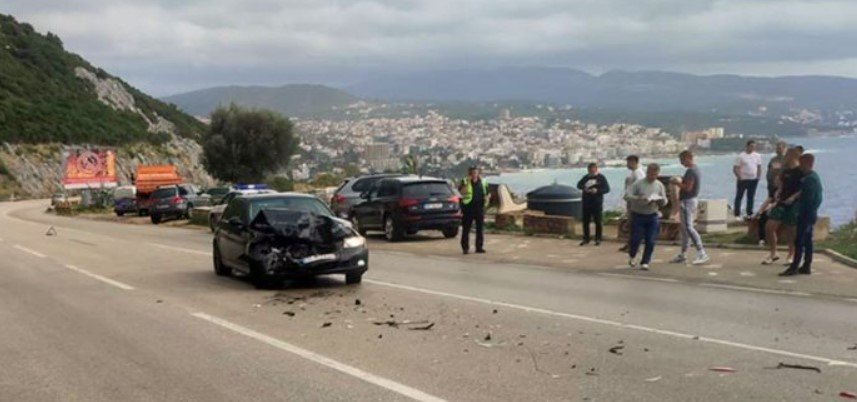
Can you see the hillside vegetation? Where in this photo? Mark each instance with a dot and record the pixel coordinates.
(42, 99)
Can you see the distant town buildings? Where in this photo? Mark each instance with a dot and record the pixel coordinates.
(441, 143)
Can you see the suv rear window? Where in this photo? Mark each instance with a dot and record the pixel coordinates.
(427, 189)
(362, 185)
(164, 193)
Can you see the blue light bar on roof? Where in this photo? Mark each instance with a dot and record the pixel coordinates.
(250, 187)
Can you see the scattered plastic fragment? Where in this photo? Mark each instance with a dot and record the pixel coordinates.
(853, 347)
(51, 231)
(487, 337)
(423, 328)
(357, 302)
(616, 349)
(723, 369)
(653, 379)
(848, 395)
(289, 313)
(796, 367)
(495, 311)
(327, 324)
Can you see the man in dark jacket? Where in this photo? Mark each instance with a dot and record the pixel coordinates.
(594, 185)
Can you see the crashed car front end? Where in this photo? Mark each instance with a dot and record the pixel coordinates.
(291, 244)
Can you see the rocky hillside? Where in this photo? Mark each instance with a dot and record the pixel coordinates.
(51, 100)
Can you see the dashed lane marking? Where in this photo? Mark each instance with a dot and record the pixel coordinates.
(645, 278)
(30, 251)
(758, 290)
(716, 341)
(382, 382)
(106, 280)
(746, 273)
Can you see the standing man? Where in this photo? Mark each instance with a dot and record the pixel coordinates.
(635, 172)
(809, 200)
(747, 170)
(594, 185)
(645, 199)
(775, 166)
(474, 201)
(688, 201)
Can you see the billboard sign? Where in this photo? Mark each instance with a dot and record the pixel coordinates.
(89, 168)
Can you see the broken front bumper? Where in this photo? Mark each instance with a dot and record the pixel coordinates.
(342, 261)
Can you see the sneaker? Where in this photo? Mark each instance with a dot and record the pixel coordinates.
(788, 272)
(762, 243)
(480, 251)
(632, 263)
(787, 262)
(771, 261)
(585, 242)
(679, 259)
(701, 259)
(644, 267)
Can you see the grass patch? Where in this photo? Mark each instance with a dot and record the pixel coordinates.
(842, 240)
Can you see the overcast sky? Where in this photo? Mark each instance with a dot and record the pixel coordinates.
(170, 46)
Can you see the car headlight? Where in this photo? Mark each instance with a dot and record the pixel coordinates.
(354, 242)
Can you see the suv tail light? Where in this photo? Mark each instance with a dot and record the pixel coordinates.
(337, 198)
(407, 202)
(176, 200)
(454, 199)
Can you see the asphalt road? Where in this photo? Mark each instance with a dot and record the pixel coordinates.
(105, 311)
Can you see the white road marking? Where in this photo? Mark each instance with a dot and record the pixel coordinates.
(645, 278)
(787, 281)
(323, 360)
(746, 273)
(713, 266)
(184, 250)
(852, 300)
(759, 290)
(30, 251)
(712, 274)
(738, 345)
(108, 281)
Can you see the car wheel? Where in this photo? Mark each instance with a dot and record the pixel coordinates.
(119, 213)
(156, 218)
(450, 232)
(392, 231)
(219, 268)
(188, 211)
(353, 279)
(356, 222)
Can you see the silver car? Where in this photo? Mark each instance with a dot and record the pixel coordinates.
(217, 211)
(348, 193)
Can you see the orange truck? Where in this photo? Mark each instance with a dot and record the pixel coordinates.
(148, 178)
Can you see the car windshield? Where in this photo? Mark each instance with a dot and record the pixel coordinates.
(164, 192)
(426, 189)
(302, 204)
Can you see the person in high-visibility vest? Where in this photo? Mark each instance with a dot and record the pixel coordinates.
(474, 201)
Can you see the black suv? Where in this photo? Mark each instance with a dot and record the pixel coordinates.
(406, 205)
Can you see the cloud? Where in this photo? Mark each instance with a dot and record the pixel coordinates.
(239, 41)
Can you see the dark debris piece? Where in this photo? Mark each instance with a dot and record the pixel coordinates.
(616, 349)
(327, 324)
(289, 313)
(423, 328)
(796, 367)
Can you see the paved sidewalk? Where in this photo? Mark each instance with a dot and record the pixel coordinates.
(727, 268)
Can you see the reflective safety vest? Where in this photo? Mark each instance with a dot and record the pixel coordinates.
(467, 193)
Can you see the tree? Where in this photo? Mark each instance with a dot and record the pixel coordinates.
(411, 165)
(245, 145)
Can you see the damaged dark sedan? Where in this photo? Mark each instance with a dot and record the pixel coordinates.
(274, 237)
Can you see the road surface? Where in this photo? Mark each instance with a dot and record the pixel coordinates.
(104, 312)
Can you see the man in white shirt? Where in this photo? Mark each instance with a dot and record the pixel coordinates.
(747, 170)
(635, 172)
